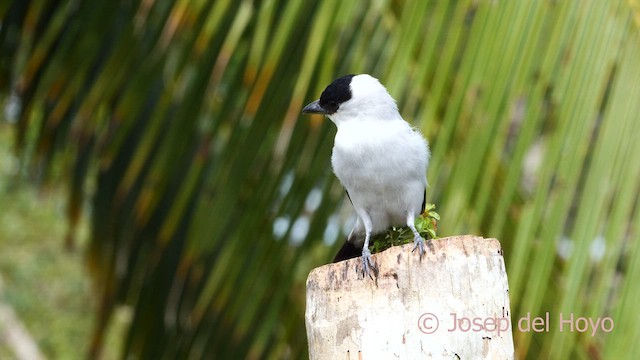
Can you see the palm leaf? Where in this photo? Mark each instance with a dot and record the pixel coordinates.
(178, 123)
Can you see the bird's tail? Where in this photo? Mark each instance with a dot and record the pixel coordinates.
(348, 251)
(352, 247)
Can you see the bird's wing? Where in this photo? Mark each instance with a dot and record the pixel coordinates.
(349, 249)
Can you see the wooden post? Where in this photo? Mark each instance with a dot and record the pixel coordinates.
(454, 304)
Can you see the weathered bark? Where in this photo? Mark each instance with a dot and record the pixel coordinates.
(454, 303)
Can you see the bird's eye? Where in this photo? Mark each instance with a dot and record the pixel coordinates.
(333, 106)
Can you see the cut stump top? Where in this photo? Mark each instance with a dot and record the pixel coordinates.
(452, 302)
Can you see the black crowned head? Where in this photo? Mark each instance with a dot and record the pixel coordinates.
(354, 97)
(335, 94)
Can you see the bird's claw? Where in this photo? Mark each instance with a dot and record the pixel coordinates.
(418, 243)
(367, 263)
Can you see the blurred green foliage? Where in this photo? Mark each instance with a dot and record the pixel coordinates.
(45, 285)
(175, 127)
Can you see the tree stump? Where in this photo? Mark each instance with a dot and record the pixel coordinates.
(452, 304)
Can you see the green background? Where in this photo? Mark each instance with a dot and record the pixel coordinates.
(161, 195)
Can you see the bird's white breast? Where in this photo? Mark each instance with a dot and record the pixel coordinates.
(382, 165)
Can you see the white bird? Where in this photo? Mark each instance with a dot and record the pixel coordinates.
(379, 159)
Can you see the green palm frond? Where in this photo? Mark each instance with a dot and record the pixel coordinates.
(176, 126)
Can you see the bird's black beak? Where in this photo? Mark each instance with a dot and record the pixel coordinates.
(314, 108)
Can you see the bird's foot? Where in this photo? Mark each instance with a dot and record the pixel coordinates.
(367, 263)
(418, 243)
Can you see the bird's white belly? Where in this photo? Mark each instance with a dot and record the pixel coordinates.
(383, 172)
